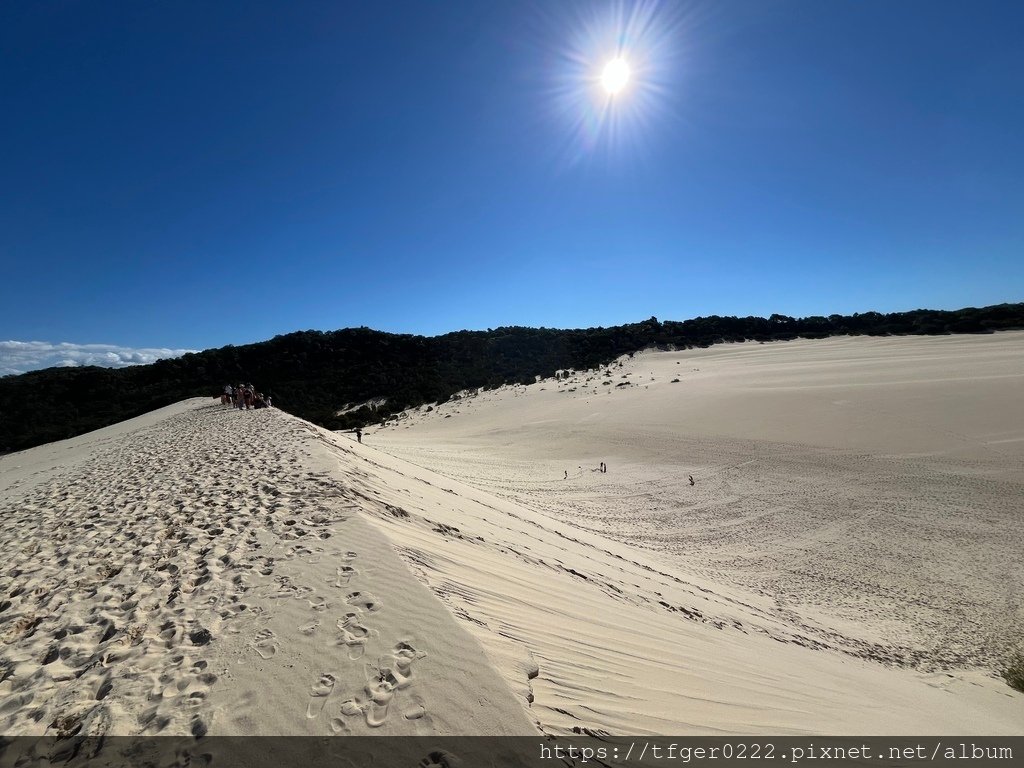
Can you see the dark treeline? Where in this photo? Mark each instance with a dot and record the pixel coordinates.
(313, 374)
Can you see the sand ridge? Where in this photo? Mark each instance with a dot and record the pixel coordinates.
(201, 573)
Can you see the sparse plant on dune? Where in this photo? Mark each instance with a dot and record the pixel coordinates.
(1013, 671)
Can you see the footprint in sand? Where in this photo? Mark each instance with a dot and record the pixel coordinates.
(16, 702)
(415, 712)
(318, 603)
(404, 655)
(345, 574)
(381, 692)
(351, 707)
(103, 687)
(374, 708)
(364, 600)
(320, 691)
(353, 634)
(299, 591)
(386, 679)
(72, 729)
(265, 643)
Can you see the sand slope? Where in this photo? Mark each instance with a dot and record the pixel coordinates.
(867, 487)
(602, 637)
(862, 493)
(205, 571)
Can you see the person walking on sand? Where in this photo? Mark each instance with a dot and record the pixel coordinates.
(566, 475)
(359, 434)
(691, 479)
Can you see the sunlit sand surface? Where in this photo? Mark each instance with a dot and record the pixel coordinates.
(848, 559)
(865, 490)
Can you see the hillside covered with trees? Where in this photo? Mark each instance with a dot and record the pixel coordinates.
(313, 374)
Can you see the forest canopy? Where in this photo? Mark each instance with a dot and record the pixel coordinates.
(314, 374)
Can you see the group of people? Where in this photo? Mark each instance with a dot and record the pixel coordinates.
(244, 397)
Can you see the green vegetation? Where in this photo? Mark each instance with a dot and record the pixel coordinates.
(313, 374)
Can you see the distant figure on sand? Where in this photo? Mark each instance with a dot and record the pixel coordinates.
(691, 479)
(566, 475)
(604, 467)
(359, 434)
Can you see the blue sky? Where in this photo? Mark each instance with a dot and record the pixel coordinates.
(188, 175)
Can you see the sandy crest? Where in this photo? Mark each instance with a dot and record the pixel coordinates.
(199, 571)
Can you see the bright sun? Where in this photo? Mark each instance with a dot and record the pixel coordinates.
(615, 75)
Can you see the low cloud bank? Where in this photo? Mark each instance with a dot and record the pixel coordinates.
(22, 356)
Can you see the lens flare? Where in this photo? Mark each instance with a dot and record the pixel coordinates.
(614, 71)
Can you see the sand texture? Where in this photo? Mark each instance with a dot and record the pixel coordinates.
(863, 493)
(206, 571)
(847, 561)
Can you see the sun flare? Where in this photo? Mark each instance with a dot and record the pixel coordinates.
(615, 75)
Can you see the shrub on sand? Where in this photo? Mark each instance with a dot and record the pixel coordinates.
(1013, 672)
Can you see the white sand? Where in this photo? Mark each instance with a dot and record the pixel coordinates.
(122, 547)
(350, 591)
(864, 493)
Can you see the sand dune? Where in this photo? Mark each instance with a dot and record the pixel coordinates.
(602, 637)
(864, 493)
(208, 571)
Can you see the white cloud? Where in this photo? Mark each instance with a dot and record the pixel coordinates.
(22, 356)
